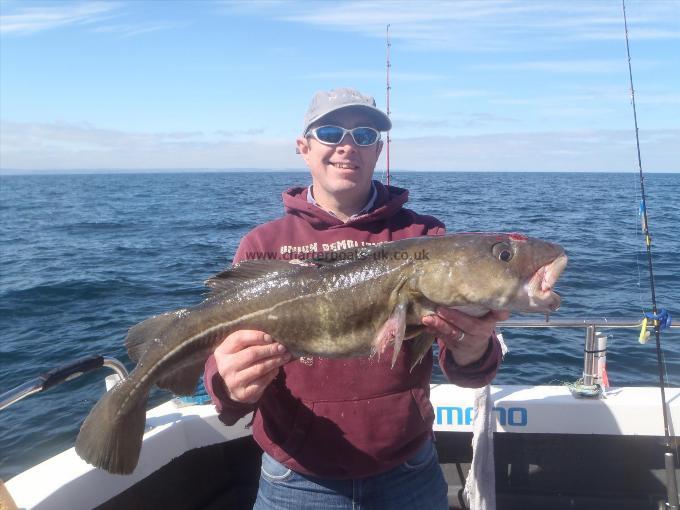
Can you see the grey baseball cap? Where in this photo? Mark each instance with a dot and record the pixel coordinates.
(324, 103)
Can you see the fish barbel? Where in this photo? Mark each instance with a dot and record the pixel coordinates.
(354, 303)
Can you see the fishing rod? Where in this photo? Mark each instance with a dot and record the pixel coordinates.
(388, 88)
(660, 319)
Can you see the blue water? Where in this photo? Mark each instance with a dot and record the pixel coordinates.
(84, 257)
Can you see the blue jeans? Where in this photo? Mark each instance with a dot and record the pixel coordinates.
(416, 484)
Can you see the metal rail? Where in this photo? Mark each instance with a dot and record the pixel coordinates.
(595, 346)
(577, 323)
(59, 375)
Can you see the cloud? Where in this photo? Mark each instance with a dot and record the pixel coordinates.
(35, 19)
(462, 120)
(657, 98)
(470, 25)
(71, 146)
(67, 146)
(130, 30)
(416, 122)
(588, 150)
(95, 16)
(596, 103)
(556, 66)
(241, 132)
(641, 34)
(77, 136)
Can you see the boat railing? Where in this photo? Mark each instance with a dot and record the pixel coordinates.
(578, 322)
(595, 345)
(59, 375)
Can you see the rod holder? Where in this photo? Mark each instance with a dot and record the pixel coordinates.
(594, 356)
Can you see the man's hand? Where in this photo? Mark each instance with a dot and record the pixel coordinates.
(467, 337)
(248, 361)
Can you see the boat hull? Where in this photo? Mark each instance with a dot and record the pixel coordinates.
(552, 450)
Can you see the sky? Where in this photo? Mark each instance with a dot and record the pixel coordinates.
(484, 85)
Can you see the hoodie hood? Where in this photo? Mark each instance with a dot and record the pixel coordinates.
(388, 201)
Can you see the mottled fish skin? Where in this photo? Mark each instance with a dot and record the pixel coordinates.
(355, 306)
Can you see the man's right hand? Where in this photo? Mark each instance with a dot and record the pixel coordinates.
(248, 361)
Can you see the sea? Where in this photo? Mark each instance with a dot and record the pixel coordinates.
(85, 256)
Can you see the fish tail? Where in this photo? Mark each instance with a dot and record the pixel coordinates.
(111, 435)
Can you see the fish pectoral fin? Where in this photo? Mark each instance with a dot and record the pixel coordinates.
(392, 331)
(143, 335)
(183, 379)
(419, 348)
(230, 279)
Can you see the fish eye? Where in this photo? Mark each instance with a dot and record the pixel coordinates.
(502, 251)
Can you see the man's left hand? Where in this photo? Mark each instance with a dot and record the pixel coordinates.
(467, 337)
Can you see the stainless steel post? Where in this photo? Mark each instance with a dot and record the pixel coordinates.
(589, 360)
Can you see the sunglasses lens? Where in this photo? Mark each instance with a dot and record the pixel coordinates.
(365, 136)
(329, 134)
(333, 135)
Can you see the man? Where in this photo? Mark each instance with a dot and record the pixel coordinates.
(342, 432)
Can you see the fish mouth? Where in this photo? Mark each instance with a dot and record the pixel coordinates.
(539, 287)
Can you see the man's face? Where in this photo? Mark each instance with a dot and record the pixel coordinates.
(343, 171)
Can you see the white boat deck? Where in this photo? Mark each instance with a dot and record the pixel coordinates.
(66, 482)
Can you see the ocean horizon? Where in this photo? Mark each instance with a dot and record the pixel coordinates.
(378, 172)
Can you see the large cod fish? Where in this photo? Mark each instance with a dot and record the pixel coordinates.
(355, 303)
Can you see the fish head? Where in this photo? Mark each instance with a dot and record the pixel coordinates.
(494, 271)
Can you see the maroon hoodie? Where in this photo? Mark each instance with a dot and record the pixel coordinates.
(344, 418)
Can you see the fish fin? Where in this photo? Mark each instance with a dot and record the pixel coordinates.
(111, 439)
(419, 348)
(399, 315)
(392, 331)
(183, 379)
(247, 270)
(141, 336)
